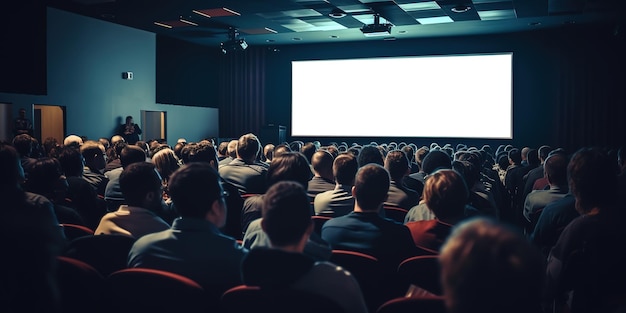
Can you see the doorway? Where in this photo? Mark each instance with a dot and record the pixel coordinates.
(49, 121)
(154, 124)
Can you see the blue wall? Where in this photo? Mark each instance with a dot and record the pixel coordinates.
(86, 58)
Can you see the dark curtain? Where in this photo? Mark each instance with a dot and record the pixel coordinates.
(242, 92)
(592, 83)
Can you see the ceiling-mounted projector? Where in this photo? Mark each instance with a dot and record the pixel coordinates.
(234, 43)
(376, 29)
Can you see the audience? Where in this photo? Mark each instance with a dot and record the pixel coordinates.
(113, 193)
(194, 247)
(587, 261)
(94, 156)
(398, 166)
(244, 171)
(446, 194)
(141, 186)
(287, 223)
(488, 268)
(323, 178)
(339, 201)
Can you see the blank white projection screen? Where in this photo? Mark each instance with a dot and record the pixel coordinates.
(456, 96)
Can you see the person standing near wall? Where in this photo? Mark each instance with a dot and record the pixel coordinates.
(22, 125)
(129, 130)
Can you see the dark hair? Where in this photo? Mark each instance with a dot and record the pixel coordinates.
(289, 166)
(23, 144)
(370, 154)
(132, 154)
(345, 168)
(308, 149)
(193, 188)
(286, 213)
(397, 164)
(371, 186)
(322, 161)
(222, 148)
(71, 161)
(515, 155)
(592, 179)
(555, 168)
(138, 179)
(202, 152)
(43, 175)
(435, 160)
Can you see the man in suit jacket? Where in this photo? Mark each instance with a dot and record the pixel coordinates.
(245, 172)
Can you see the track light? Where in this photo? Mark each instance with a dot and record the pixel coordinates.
(376, 29)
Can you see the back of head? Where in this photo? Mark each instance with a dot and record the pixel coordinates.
(371, 185)
(515, 156)
(370, 154)
(43, 176)
(71, 161)
(137, 180)
(446, 194)
(486, 267)
(132, 154)
(73, 140)
(308, 149)
(289, 166)
(222, 148)
(543, 152)
(193, 188)
(397, 164)
(533, 157)
(280, 149)
(93, 152)
(23, 144)
(11, 171)
(345, 167)
(166, 162)
(286, 213)
(322, 162)
(248, 147)
(268, 152)
(434, 160)
(202, 152)
(555, 168)
(592, 179)
(232, 148)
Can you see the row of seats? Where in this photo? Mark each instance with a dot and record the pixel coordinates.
(83, 289)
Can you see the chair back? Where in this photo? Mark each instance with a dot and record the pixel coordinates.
(135, 290)
(73, 231)
(395, 213)
(367, 270)
(318, 222)
(246, 299)
(106, 253)
(422, 271)
(430, 304)
(80, 286)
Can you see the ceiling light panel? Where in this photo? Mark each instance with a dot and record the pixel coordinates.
(435, 20)
(419, 6)
(496, 15)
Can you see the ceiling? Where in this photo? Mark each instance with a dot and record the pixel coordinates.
(280, 22)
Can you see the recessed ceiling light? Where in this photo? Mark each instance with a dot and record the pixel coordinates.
(333, 36)
(337, 13)
(402, 32)
(296, 38)
(461, 8)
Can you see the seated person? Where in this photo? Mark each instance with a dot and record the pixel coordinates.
(94, 155)
(291, 166)
(433, 161)
(364, 230)
(555, 168)
(488, 268)
(245, 172)
(194, 247)
(339, 201)
(323, 178)
(398, 166)
(445, 193)
(141, 187)
(287, 222)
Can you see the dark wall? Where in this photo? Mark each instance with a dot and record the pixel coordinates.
(23, 53)
(540, 60)
(186, 73)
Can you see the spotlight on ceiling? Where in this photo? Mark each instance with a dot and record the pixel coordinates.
(234, 43)
(377, 29)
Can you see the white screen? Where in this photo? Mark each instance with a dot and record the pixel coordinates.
(457, 96)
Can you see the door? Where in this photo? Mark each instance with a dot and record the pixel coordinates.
(49, 121)
(6, 121)
(154, 125)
